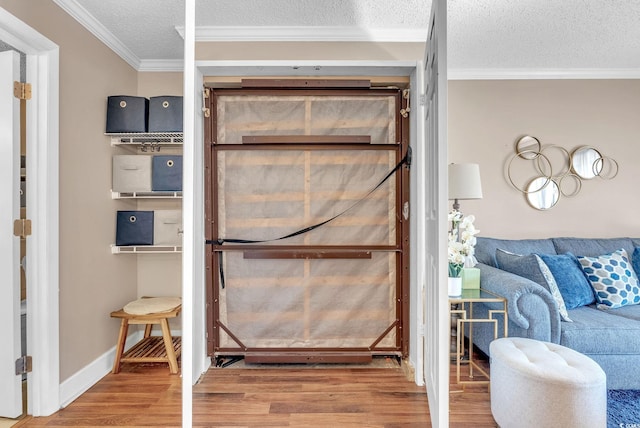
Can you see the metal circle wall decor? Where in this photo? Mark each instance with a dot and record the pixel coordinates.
(584, 162)
(577, 185)
(528, 147)
(607, 167)
(524, 155)
(547, 195)
(565, 164)
(543, 191)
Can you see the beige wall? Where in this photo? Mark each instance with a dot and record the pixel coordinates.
(487, 117)
(328, 51)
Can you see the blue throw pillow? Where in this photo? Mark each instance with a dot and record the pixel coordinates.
(532, 267)
(572, 282)
(613, 279)
(635, 260)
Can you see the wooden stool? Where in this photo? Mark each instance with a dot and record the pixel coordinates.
(151, 349)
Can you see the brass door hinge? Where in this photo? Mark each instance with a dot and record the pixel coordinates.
(22, 91)
(205, 94)
(23, 365)
(22, 227)
(406, 94)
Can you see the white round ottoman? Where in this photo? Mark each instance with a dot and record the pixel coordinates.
(539, 384)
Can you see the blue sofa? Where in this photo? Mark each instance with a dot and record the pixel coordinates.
(611, 337)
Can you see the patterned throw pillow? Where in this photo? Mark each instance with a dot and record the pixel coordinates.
(532, 267)
(613, 279)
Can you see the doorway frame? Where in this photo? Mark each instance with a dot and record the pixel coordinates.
(42, 275)
(285, 68)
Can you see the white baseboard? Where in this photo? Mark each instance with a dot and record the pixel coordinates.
(85, 378)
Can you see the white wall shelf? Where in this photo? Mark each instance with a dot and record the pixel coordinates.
(146, 139)
(146, 195)
(145, 249)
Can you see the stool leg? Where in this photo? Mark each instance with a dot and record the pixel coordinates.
(147, 330)
(168, 344)
(122, 338)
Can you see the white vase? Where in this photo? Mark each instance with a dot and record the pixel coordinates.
(455, 287)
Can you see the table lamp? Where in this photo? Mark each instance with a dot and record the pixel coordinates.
(464, 182)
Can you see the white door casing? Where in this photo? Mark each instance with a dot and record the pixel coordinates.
(11, 391)
(42, 199)
(436, 314)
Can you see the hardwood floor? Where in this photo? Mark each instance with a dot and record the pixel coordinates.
(293, 396)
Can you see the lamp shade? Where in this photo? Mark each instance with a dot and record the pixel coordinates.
(464, 181)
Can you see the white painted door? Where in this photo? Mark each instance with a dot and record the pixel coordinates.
(436, 314)
(11, 390)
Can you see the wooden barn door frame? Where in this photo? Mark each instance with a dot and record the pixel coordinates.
(402, 241)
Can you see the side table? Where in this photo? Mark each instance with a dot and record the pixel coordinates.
(463, 307)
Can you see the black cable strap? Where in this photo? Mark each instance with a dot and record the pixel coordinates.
(220, 261)
(406, 160)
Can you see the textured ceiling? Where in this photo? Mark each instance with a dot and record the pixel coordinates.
(484, 36)
(544, 34)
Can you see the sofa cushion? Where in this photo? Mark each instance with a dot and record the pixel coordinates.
(631, 311)
(532, 267)
(485, 250)
(613, 279)
(591, 247)
(572, 282)
(601, 332)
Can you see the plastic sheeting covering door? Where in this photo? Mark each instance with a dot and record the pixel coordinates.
(335, 286)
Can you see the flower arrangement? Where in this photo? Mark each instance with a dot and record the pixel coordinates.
(462, 241)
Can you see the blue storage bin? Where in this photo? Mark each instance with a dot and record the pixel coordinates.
(134, 228)
(166, 173)
(165, 114)
(127, 114)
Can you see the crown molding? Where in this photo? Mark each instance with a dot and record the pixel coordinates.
(162, 65)
(80, 14)
(306, 34)
(550, 73)
(325, 34)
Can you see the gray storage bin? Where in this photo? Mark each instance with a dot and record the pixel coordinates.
(131, 173)
(167, 227)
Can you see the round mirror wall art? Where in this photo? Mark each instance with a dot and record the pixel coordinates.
(547, 195)
(559, 173)
(528, 147)
(584, 162)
